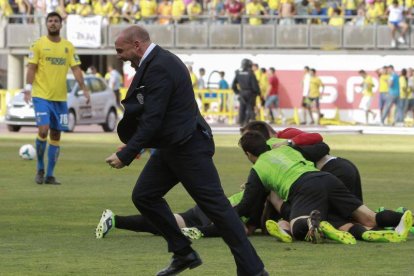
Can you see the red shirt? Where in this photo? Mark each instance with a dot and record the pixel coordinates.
(234, 8)
(274, 85)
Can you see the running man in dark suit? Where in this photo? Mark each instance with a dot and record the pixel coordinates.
(161, 112)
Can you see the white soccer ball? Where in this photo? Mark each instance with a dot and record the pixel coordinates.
(27, 152)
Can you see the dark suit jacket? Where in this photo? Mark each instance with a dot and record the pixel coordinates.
(160, 108)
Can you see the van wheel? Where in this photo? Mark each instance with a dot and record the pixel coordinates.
(71, 121)
(110, 122)
(13, 128)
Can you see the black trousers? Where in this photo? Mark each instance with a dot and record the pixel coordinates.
(246, 109)
(192, 165)
(324, 192)
(347, 172)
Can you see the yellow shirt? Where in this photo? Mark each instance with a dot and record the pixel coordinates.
(368, 86)
(383, 83)
(53, 60)
(404, 91)
(178, 8)
(380, 7)
(194, 9)
(148, 8)
(71, 8)
(6, 8)
(258, 74)
(253, 9)
(336, 21)
(103, 9)
(84, 10)
(274, 4)
(193, 79)
(263, 84)
(349, 4)
(314, 87)
(164, 12)
(372, 14)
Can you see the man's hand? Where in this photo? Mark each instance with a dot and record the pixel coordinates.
(87, 95)
(27, 96)
(114, 161)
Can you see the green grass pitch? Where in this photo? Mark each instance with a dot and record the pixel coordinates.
(49, 230)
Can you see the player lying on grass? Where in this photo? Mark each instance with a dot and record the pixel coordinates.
(281, 229)
(193, 222)
(310, 192)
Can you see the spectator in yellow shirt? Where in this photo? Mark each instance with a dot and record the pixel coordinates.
(131, 11)
(350, 8)
(5, 9)
(178, 10)
(336, 20)
(373, 13)
(194, 80)
(72, 7)
(367, 86)
(410, 83)
(84, 9)
(256, 71)
(384, 78)
(273, 6)
(315, 88)
(404, 94)
(263, 84)
(255, 10)
(148, 11)
(104, 8)
(164, 12)
(194, 10)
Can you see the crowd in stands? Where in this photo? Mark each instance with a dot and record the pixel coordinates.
(253, 12)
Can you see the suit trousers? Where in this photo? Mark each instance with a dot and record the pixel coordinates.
(191, 164)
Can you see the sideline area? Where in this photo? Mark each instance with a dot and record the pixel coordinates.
(234, 129)
(354, 129)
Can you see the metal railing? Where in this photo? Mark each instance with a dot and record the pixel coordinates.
(208, 32)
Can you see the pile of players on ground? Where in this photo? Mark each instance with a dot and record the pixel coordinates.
(295, 190)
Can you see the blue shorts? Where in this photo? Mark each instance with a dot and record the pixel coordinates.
(395, 23)
(52, 113)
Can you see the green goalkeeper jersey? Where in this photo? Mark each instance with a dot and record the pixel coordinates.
(236, 198)
(279, 168)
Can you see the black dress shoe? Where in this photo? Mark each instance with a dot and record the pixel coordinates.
(181, 263)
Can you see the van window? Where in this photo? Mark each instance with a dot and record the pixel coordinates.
(97, 85)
